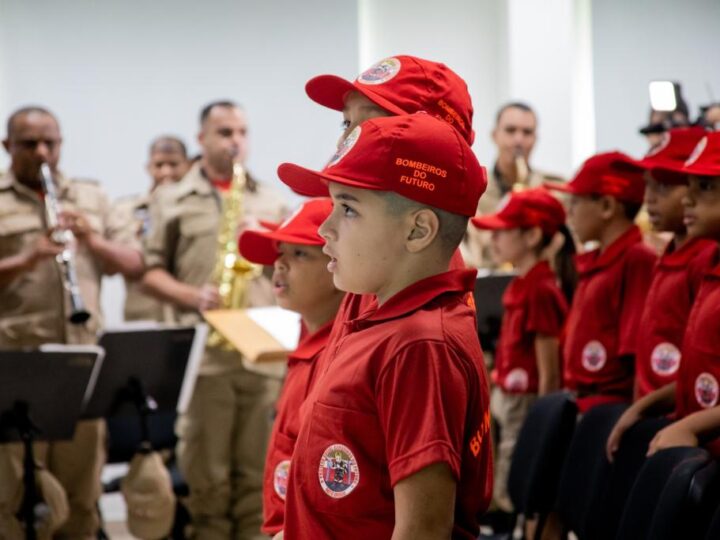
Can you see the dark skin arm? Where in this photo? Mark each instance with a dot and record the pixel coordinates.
(159, 283)
(547, 352)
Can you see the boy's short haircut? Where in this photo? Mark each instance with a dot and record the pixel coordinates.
(452, 226)
(630, 209)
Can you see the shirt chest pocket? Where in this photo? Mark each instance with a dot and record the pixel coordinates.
(198, 225)
(344, 471)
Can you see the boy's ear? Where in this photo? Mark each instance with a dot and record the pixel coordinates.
(609, 206)
(424, 227)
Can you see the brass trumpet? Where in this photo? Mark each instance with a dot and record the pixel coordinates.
(64, 237)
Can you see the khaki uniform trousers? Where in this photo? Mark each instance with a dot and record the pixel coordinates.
(76, 464)
(221, 452)
(509, 412)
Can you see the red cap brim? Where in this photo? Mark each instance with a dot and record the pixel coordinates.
(258, 247)
(312, 183)
(565, 187)
(330, 91)
(491, 223)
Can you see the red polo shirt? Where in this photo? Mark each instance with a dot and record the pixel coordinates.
(603, 320)
(699, 374)
(301, 366)
(533, 304)
(404, 388)
(673, 289)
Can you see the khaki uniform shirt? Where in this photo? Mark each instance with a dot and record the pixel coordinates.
(475, 247)
(128, 224)
(34, 307)
(185, 218)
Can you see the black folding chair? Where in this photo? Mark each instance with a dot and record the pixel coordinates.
(671, 497)
(539, 455)
(584, 481)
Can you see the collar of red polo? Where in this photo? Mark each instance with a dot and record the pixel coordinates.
(679, 258)
(595, 260)
(311, 344)
(418, 294)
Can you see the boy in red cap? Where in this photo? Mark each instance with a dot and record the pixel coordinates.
(527, 359)
(679, 270)
(394, 435)
(599, 346)
(696, 392)
(301, 283)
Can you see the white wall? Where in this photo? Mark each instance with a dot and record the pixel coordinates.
(119, 73)
(637, 41)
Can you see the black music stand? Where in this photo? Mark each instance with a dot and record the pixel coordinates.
(42, 394)
(146, 370)
(489, 288)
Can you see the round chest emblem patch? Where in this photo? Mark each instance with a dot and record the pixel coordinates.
(517, 380)
(345, 146)
(594, 356)
(338, 472)
(665, 359)
(706, 390)
(381, 72)
(280, 478)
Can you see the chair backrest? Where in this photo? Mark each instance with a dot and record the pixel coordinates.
(713, 532)
(628, 461)
(539, 453)
(661, 497)
(584, 481)
(682, 511)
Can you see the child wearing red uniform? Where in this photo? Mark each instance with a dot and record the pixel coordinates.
(679, 271)
(599, 345)
(301, 283)
(527, 359)
(394, 434)
(694, 395)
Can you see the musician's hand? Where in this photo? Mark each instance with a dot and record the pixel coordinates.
(208, 298)
(248, 223)
(676, 434)
(43, 248)
(77, 223)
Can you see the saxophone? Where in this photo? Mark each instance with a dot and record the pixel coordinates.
(522, 171)
(232, 272)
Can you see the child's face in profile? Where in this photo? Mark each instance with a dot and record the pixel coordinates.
(301, 281)
(585, 217)
(702, 207)
(364, 240)
(508, 245)
(664, 205)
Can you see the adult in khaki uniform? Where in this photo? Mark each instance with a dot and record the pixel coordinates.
(514, 135)
(34, 307)
(129, 223)
(223, 435)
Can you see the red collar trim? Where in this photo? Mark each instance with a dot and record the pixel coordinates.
(311, 344)
(595, 260)
(679, 258)
(419, 294)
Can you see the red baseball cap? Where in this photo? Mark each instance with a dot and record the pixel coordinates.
(300, 228)
(610, 173)
(676, 146)
(416, 156)
(525, 209)
(403, 85)
(703, 161)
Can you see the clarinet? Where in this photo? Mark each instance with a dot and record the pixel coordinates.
(64, 237)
